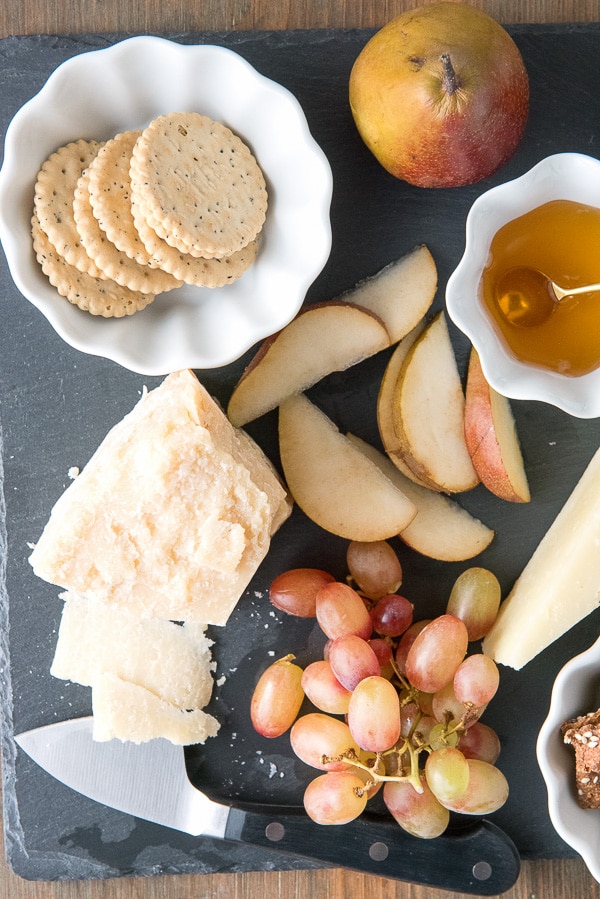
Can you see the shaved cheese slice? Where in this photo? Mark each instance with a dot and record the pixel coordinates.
(559, 586)
(172, 661)
(125, 711)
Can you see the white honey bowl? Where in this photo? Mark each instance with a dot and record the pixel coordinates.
(563, 176)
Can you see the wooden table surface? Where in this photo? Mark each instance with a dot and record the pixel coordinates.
(560, 879)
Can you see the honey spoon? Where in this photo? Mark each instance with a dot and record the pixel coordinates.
(527, 297)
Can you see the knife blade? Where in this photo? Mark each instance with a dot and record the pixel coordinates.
(149, 781)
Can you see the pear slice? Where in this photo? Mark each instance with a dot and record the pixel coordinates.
(385, 397)
(401, 293)
(429, 413)
(441, 529)
(323, 338)
(332, 481)
(492, 438)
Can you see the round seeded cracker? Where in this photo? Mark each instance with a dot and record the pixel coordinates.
(110, 187)
(198, 185)
(115, 264)
(98, 296)
(54, 192)
(194, 269)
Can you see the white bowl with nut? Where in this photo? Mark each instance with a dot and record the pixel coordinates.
(522, 237)
(576, 692)
(98, 95)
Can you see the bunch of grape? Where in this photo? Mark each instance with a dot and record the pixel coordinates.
(399, 701)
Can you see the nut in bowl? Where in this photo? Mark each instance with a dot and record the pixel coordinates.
(538, 228)
(576, 691)
(123, 88)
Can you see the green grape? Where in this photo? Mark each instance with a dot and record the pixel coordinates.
(486, 793)
(475, 598)
(442, 735)
(447, 773)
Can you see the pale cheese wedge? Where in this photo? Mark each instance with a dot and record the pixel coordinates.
(171, 516)
(559, 586)
(128, 712)
(173, 661)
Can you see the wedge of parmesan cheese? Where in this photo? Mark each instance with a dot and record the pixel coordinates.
(172, 661)
(559, 586)
(128, 712)
(171, 516)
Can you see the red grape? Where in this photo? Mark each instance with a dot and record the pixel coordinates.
(374, 714)
(480, 742)
(406, 641)
(476, 680)
(392, 615)
(421, 814)
(277, 698)
(352, 659)
(375, 567)
(335, 798)
(340, 610)
(384, 654)
(436, 653)
(324, 689)
(295, 590)
(316, 735)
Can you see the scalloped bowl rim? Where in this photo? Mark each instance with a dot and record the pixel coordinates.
(580, 828)
(189, 327)
(572, 176)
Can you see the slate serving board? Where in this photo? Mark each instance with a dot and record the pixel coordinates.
(57, 404)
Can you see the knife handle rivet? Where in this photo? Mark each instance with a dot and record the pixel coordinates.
(482, 871)
(378, 852)
(274, 831)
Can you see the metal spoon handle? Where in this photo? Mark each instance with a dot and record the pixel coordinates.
(561, 292)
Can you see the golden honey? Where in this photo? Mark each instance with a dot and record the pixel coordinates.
(561, 239)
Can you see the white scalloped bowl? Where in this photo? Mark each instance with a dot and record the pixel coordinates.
(567, 176)
(98, 94)
(576, 691)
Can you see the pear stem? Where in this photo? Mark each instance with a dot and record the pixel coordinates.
(450, 80)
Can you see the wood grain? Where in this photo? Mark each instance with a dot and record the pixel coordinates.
(137, 16)
(567, 879)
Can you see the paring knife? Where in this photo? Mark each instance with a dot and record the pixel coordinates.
(150, 781)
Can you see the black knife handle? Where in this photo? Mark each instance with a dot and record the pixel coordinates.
(479, 858)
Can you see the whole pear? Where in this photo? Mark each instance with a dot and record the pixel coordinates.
(440, 95)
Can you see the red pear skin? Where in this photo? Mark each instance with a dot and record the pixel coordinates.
(440, 95)
(492, 439)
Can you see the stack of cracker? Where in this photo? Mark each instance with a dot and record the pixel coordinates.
(116, 223)
(167, 523)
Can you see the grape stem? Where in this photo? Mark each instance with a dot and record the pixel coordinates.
(413, 777)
